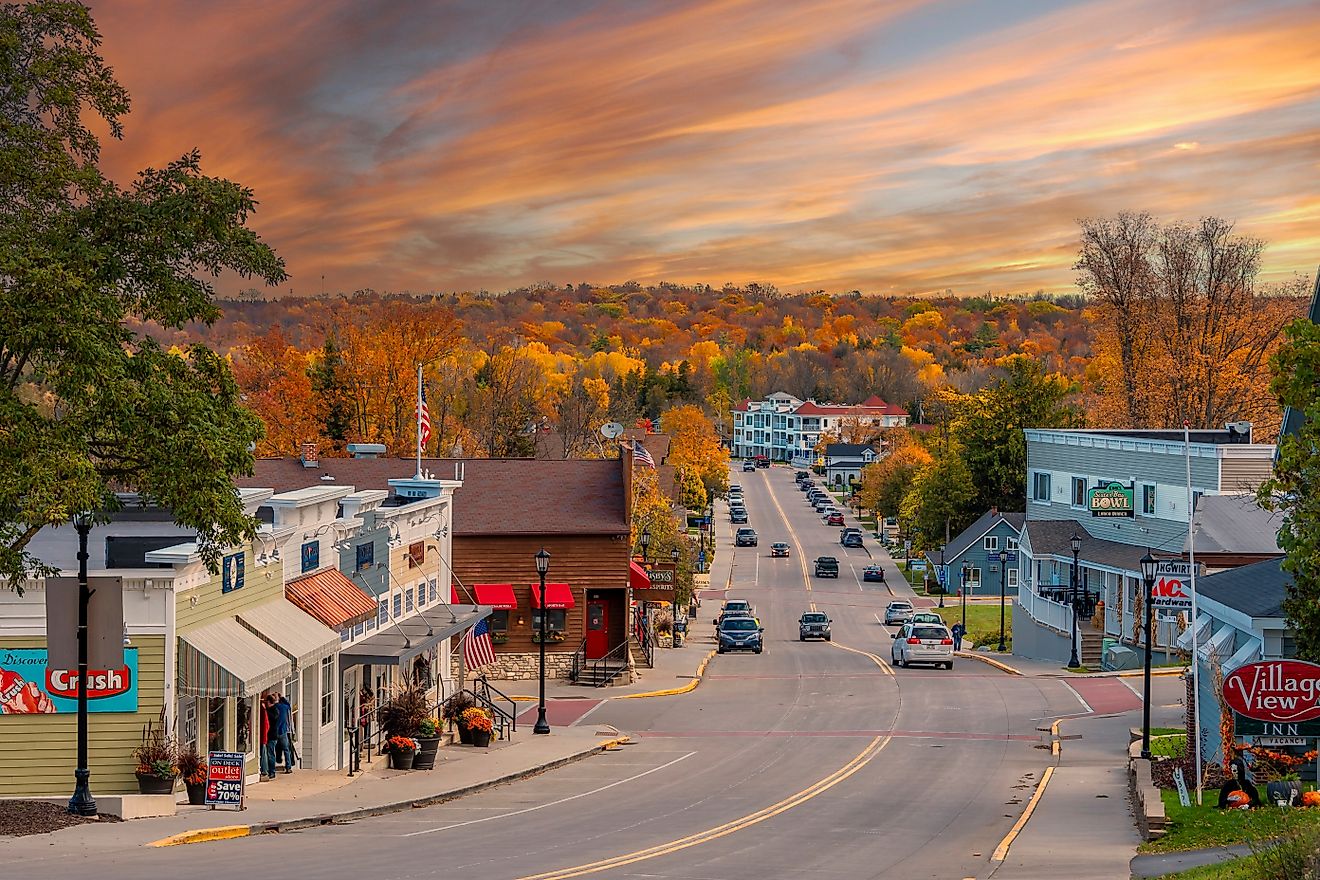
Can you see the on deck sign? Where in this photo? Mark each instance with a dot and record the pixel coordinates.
(1173, 587)
(1111, 500)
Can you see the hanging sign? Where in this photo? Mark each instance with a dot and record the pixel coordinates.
(1111, 500)
(1279, 692)
(1173, 587)
(224, 780)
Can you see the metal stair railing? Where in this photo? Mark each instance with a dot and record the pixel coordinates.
(485, 694)
(642, 633)
(602, 673)
(579, 657)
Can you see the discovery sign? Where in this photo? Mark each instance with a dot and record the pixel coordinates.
(1274, 698)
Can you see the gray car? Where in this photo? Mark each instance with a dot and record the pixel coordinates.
(898, 612)
(813, 625)
(739, 634)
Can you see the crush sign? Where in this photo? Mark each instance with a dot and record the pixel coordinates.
(1173, 587)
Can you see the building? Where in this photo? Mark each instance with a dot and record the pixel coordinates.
(844, 462)
(1141, 502)
(784, 428)
(978, 547)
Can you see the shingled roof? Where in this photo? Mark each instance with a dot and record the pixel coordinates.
(498, 496)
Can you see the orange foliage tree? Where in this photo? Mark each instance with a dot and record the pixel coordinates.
(276, 386)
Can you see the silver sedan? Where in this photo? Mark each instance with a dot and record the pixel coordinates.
(922, 643)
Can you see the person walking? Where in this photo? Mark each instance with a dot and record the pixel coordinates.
(284, 730)
(269, 719)
(958, 632)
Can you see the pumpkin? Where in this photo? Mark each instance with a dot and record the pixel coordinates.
(1311, 799)
(1238, 800)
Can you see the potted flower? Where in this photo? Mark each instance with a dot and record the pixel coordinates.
(452, 712)
(192, 767)
(156, 761)
(403, 710)
(402, 750)
(481, 725)
(428, 741)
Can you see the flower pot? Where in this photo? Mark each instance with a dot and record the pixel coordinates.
(150, 784)
(402, 759)
(426, 749)
(465, 734)
(480, 738)
(196, 793)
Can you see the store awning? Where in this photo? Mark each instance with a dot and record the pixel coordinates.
(557, 596)
(294, 633)
(638, 579)
(398, 641)
(331, 598)
(223, 659)
(498, 596)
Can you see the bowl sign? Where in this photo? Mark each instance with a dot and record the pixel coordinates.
(1280, 691)
(1111, 500)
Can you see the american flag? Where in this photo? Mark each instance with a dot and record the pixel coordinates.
(477, 648)
(423, 417)
(640, 453)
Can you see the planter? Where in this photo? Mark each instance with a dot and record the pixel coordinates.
(154, 785)
(465, 735)
(480, 738)
(196, 793)
(402, 759)
(426, 749)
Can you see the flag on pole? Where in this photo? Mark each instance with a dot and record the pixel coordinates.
(477, 648)
(640, 453)
(423, 418)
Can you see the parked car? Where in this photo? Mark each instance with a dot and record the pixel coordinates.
(927, 617)
(851, 537)
(738, 515)
(735, 608)
(801, 475)
(736, 499)
(922, 643)
(827, 567)
(834, 519)
(873, 573)
(813, 625)
(739, 634)
(745, 538)
(779, 548)
(821, 503)
(762, 462)
(899, 611)
(806, 485)
(749, 465)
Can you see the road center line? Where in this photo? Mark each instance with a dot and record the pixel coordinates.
(551, 803)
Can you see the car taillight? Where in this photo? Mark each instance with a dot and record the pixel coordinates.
(946, 641)
(914, 641)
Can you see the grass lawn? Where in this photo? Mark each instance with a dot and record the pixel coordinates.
(1238, 869)
(1170, 745)
(1197, 827)
(982, 622)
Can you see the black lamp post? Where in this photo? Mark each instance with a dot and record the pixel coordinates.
(82, 803)
(944, 578)
(646, 541)
(542, 566)
(1074, 661)
(1148, 566)
(1003, 574)
(966, 578)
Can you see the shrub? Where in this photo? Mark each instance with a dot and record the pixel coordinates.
(404, 710)
(1294, 856)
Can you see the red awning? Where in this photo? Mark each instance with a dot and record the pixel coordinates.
(453, 596)
(497, 596)
(557, 596)
(331, 598)
(638, 579)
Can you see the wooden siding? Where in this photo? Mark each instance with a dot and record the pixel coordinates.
(261, 584)
(38, 753)
(585, 562)
(1240, 474)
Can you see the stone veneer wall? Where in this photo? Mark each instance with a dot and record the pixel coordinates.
(523, 667)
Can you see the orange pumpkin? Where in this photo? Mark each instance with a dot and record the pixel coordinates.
(1311, 799)
(1238, 800)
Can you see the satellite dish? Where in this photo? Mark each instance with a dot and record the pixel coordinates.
(610, 430)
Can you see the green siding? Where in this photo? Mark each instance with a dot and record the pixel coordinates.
(209, 602)
(38, 753)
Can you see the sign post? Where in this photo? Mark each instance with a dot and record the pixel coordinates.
(224, 780)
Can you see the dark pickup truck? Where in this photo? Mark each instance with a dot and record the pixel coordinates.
(827, 567)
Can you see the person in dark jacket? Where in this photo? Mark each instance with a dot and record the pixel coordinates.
(269, 718)
(284, 731)
(958, 632)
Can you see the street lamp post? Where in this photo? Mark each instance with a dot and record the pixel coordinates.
(82, 803)
(1148, 566)
(1003, 574)
(646, 541)
(966, 578)
(542, 566)
(1076, 541)
(943, 578)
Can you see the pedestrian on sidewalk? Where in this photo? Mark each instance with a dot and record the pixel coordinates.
(284, 731)
(958, 632)
(270, 716)
(267, 751)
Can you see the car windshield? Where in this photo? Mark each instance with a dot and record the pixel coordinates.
(739, 624)
(899, 606)
(736, 606)
(930, 632)
(827, 559)
(813, 618)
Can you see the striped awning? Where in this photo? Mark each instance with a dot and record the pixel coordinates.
(331, 598)
(223, 659)
(295, 634)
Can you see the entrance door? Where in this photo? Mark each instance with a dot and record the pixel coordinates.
(598, 630)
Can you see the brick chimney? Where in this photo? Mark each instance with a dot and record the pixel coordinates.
(310, 457)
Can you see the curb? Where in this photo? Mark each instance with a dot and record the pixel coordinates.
(669, 692)
(1003, 667)
(229, 832)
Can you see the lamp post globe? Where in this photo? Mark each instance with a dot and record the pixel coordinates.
(542, 566)
(1149, 566)
(1076, 542)
(646, 541)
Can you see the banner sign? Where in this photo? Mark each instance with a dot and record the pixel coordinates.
(1111, 500)
(661, 574)
(1281, 692)
(1173, 587)
(29, 686)
(224, 780)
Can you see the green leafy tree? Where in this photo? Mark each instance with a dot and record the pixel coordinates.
(938, 498)
(90, 406)
(1295, 487)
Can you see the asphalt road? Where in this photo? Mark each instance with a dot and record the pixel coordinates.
(812, 759)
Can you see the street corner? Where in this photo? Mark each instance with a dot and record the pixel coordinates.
(997, 664)
(674, 691)
(203, 835)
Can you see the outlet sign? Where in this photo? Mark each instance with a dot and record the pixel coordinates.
(1275, 691)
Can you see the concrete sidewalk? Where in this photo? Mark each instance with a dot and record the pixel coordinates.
(459, 770)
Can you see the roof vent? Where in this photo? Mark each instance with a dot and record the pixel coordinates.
(1238, 432)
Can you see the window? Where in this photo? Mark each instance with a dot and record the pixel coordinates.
(434, 592)
(243, 726)
(1040, 486)
(991, 543)
(1079, 491)
(975, 580)
(1012, 577)
(357, 630)
(398, 604)
(366, 556)
(383, 611)
(499, 626)
(1011, 544)
(408, 600)
(421, 594)
(344, 634)
(554, 622)
(327, 690)
(1148, 500)
(311, 556)
(1196, 498)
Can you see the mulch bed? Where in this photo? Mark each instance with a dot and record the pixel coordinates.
(39, 817)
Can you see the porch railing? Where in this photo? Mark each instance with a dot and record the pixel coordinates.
(1055, 615)
(495, 701)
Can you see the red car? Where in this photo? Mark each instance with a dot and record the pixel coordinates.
(834, 519)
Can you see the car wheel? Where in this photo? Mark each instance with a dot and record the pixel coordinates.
(829, 638)
(802, 638)
(719, 650)
(949, 665)
(758, 650)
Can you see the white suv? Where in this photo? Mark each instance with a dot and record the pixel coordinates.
(922, 643)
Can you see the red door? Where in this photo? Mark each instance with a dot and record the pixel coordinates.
(598, 630)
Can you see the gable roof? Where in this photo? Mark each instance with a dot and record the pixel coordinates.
(985, 523)
(1235, 524)
(1256, 590)
(499, 496)
(848, 450)
(1053, 537)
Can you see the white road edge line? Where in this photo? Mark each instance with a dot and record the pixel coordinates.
(588, 712)
(1136, 693)
(551, 803)
(1085, 705)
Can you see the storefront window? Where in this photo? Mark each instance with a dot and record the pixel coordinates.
(215, 725)
(291, 694)
(244, 720)
(554, 624)
(188, 721)
(499, 626)
(327, 690)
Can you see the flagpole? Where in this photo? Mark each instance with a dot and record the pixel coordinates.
(418, 415)
(1196, 653)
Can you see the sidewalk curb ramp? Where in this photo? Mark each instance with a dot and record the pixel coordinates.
(229, 832)
(669, 692)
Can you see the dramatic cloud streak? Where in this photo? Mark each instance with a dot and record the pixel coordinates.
(884, 146)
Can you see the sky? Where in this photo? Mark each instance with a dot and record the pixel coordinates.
(886, 146)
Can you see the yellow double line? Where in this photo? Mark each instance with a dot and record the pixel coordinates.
(727, 828)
